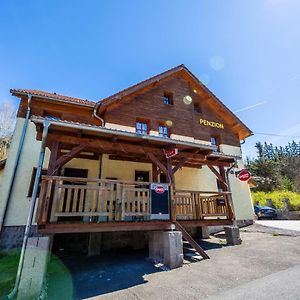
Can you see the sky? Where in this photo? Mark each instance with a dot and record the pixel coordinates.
(246, 52)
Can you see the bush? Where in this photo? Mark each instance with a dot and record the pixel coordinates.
(277, 198)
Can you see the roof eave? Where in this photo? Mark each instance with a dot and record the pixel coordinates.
(19, 93)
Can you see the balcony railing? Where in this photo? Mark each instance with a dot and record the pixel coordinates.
(69, 199)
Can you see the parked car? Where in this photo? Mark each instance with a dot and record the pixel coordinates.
(265, 212)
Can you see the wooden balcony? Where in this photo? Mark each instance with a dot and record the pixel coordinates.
(93, 203)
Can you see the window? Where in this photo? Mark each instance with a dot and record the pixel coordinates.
(214, 141)
(30, 190)
(163, 131)
(197, 108)
(168, 98)
(141, 128)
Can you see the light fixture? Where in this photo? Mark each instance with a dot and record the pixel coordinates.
(195, 91)
(187, 99)
(169, 123)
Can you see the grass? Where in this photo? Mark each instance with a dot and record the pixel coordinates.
(8, 269)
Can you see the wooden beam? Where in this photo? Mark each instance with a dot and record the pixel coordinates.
(125, 226)
(155, 160)
(169, 168)
(179, 165)
(218, 175)
(154, 173)
(69, 156)
(55, 153)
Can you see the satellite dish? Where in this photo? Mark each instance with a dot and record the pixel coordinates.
(187, 100)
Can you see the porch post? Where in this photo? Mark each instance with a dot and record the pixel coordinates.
(154, 173)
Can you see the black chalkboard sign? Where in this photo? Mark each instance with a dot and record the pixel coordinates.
(159, 199)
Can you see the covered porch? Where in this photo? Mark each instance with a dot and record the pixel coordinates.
(76, 204)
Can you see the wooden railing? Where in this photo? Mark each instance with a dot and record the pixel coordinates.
(66, 199)
(197, 205)
(92, 200)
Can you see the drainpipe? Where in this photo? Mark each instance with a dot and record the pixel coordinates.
(95, 113)
(31, 210)
(16, 164)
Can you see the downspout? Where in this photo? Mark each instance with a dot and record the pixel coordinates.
(16, 163)
(98, 104)
(32, 208)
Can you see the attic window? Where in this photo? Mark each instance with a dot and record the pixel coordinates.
(168, 98)
(197, 108)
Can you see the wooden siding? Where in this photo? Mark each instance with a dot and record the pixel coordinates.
(149, 105)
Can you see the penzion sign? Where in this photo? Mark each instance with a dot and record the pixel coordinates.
(211, 123)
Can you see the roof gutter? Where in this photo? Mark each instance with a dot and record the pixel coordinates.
(16, 165)
(40, 120)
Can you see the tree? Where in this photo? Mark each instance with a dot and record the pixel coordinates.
(7, 125)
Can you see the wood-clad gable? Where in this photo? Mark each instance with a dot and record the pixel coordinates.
(148, 104)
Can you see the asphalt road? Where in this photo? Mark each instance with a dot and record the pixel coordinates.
(280, 285)
(265, 266)
(281, 224)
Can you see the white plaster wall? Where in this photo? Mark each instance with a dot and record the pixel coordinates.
(123, 170)
(195, 179)
(19, 202)
(241, 195)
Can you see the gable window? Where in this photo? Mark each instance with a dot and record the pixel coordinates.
(163, 131)
(197, 108)
(141, 128)
(168, 98)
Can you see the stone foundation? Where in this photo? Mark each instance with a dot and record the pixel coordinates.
(12, 236)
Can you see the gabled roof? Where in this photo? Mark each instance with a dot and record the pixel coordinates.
(118, 97)
(52, 96)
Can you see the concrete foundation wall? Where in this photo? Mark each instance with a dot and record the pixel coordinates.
(34, 267)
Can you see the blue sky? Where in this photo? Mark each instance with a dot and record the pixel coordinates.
(246, 52)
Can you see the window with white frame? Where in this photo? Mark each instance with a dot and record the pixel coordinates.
(163, 131)
(141, 128)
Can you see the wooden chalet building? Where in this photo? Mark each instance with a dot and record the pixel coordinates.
(164, 151)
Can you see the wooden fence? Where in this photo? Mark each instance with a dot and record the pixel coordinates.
(66, 199)
(199, 205)
(80, 199)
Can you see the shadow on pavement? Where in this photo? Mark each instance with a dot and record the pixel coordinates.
(98, 275)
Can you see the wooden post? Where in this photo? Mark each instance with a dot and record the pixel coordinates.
(154, 173)
(47, 198)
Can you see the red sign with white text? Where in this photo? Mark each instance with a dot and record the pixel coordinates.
(244, 175)
(159, 189)
(171, 152)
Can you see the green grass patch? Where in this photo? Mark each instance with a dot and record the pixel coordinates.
(8, 269)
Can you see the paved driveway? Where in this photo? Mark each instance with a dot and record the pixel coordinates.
(268, 259)
(281, 224)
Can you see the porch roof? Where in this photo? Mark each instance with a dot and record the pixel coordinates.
(122, 144)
